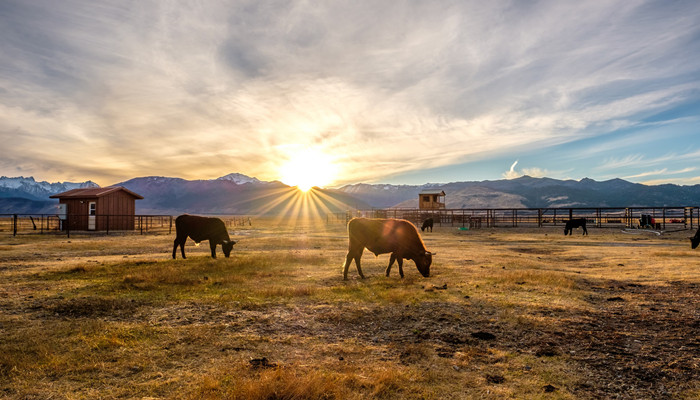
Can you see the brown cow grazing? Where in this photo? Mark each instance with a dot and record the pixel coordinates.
(695, 240)
(396, 236)
(199, 229)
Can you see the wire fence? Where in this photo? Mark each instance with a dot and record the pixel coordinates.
(660, 218)
(24, 224)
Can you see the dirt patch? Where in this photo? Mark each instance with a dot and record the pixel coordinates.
(530, 250)
(89, 307)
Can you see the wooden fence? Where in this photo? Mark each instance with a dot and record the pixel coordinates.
(661, 218)
(16, 224)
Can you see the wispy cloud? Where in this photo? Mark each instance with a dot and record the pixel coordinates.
(640, 161)
(203, 90)
(694, 180)
(661, 172)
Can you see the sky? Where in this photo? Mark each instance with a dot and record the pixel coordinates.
(339, 92)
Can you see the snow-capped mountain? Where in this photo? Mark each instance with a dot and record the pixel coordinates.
(239, 179)
(230, 194)
(28, 188)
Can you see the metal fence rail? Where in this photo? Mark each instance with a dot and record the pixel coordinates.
(665, 218)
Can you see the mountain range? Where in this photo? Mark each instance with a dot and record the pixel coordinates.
(240, 194)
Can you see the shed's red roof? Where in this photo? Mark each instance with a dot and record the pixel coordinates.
(93, 193)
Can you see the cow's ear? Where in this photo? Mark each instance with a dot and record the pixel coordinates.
(233, 242)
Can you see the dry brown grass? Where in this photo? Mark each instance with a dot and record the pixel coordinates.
(507, 313)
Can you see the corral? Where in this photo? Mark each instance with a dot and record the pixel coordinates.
(507, 313)
(680, 217)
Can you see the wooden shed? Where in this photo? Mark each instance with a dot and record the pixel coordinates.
(98, 209)
(431, 200)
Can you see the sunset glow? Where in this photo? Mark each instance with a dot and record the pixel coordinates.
(395, 93)
(307, 169)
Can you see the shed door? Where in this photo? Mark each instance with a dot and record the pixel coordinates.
(92, 212)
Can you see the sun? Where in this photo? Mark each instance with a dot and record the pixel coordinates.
(307, 169)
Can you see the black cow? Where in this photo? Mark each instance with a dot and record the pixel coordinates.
(199, 229)
(695, 240)
(427, 224)
(575, 223)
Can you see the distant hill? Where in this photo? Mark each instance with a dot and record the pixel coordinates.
(528, 192)
(240, 194)
(232, 194)
(18, 205)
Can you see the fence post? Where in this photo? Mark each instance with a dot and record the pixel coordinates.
(170, 229)
(691, 218)
(664, 217)
(14, 224)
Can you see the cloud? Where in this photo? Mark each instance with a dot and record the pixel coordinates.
(534, 172)
(661, 172)
(693, 180)
(512, 173)
(102, 90)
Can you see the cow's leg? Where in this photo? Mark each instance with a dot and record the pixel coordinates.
(179, 242)
(399, 260)
(357, 264)
(585, 231)
(391, 262)
(346, 266)
(352, 255)
(212, 246)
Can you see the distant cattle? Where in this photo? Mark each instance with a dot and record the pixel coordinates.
(396, 236)
(200, 229)
(427, 224)
(695, 240)
(573, 224)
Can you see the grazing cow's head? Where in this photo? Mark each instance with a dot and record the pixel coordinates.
(423, 261)
(695, 240)
(227, 246)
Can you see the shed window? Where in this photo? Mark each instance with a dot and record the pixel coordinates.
(426, 199)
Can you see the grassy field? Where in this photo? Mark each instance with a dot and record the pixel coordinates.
(507, 313)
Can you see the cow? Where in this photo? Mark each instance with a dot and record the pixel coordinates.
(199, 229)
(427, 224)
(695, 240)
(396, 236)
(575, 223)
